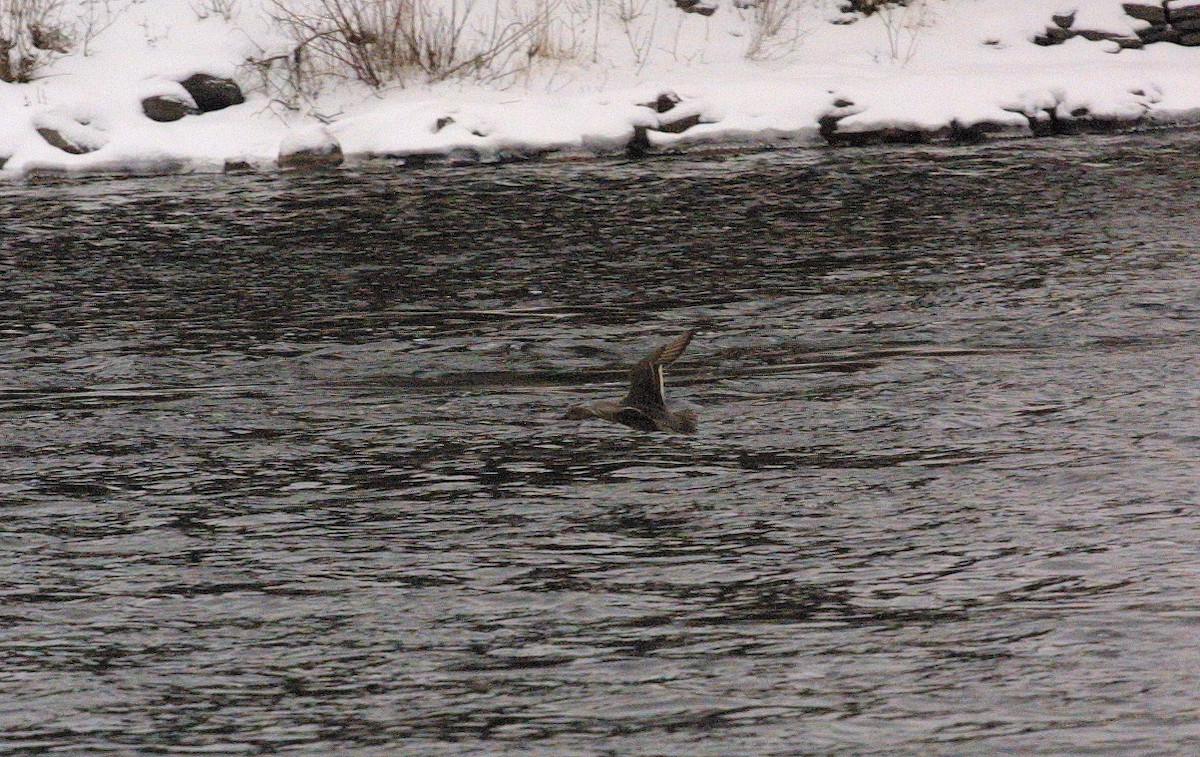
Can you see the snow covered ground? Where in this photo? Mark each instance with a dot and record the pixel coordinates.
(586, 76)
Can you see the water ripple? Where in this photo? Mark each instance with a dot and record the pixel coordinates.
(285, 471)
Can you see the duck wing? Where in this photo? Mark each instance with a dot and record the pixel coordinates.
(646, 378)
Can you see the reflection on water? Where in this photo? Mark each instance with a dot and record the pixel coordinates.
(283, 470)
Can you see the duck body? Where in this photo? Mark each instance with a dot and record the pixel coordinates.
(644, 408)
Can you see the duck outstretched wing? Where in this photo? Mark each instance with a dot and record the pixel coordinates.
(646, 378)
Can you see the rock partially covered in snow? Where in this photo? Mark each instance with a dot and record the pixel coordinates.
(1147, 10)
(164, 108)
(1185, 18)
(664, 102)
(201, 93)
(703, 7)
(213, 92)
(69, 135)
(1176, 21)
(1094, 25)
(668, 118)
(1182, 10)
(309, 149)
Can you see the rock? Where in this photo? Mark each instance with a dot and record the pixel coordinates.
(1063, 20)
(463, 156)
(1096, 125)
(703, 7)
(164, 108)
(678, 125)
(679, 121)
(1055, 35)
(238, 166)
(445, 121)
(213, 92)
(1182, 10)
(208, 93)
(156, 166)
(324, 156)
(310, 149)
(973, 133)
(1042, 123)
(1192, 39)
(1154, 34)
(639, 144)
(1050, 122)
(1123, 42)
(884, 136)
(1188, 25)
(840, 108)
(1059, 34)
(1146, 11)
(664, 102)
(867, 7)
(55, 138)
(1097, 35)
(71, 135)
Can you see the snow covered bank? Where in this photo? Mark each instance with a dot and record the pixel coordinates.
(596, 77)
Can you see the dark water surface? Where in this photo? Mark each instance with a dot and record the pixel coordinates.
(281, 470)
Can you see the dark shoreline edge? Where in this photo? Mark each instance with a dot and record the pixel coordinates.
(641, 147)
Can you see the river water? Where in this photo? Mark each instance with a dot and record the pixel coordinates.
(282, 469)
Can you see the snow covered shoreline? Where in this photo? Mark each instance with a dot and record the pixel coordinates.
(971, 70)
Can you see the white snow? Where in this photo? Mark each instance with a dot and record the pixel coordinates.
(926, 66)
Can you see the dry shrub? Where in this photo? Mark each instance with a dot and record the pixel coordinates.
(549, 35)
(776, 29)
(904, 24)
(381, 42)
(31, 34)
